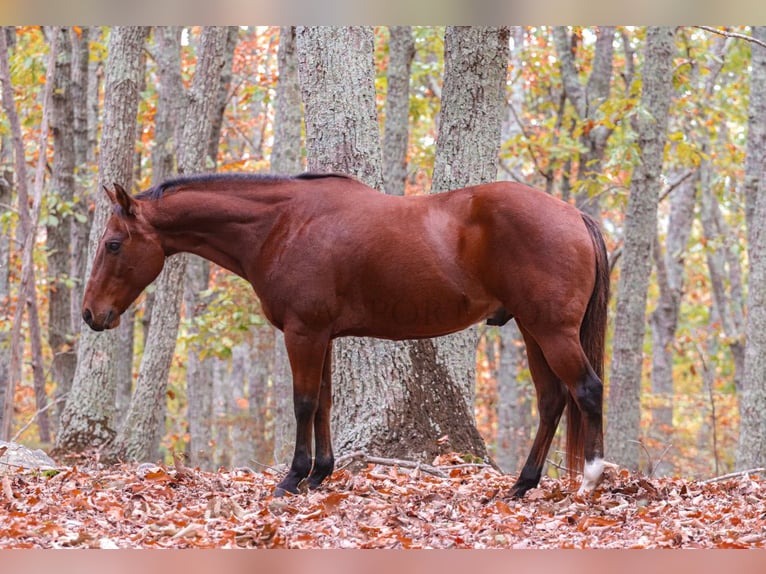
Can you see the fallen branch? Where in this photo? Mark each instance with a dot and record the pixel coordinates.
(734, 475)
(732, 35)
(348, 459)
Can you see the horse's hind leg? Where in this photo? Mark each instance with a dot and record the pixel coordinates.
(551, 399)
(324, 460)
(585, 431)
(307, 354)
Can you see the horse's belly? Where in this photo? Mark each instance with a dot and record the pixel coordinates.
(408, 317)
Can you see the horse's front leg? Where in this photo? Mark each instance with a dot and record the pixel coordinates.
(306, 352)
(324, 461)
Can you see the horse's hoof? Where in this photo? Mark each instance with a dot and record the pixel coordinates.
(281, 491)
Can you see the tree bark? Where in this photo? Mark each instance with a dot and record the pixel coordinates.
(623, 423)
(751, 447)
(87, 420)
(138, 435)
(396, 110)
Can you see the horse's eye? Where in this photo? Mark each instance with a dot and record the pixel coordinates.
(113, 246)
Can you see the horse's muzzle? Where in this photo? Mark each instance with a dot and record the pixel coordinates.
(111, 320)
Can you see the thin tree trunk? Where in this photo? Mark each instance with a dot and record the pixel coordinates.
(87, 420)
(751, 448)
(199, 374)
(623, 423)
(397, 109)
(60, 324)
(29, 221)
(664, 319)
(514, 395)
(85, 88)
(138, 435)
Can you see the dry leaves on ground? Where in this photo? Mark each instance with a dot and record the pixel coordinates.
(149, 506)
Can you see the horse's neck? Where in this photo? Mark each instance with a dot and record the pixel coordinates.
(226, 229)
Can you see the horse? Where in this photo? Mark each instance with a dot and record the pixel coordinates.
(329, 257)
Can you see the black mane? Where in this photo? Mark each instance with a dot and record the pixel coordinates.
(171, 184)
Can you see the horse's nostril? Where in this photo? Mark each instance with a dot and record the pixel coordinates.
(87, 316)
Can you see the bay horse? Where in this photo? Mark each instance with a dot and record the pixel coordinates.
(329, 256)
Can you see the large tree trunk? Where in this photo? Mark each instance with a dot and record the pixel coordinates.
(623, 424)
(138, 435)
(87, 420)
(285, 159)
(467, 148)
(401, 51)
(751, 448)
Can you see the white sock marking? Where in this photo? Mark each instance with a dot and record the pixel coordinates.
(591, 476)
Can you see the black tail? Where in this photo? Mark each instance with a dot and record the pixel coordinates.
(593, 341)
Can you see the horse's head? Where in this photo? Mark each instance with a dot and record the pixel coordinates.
(129, 257)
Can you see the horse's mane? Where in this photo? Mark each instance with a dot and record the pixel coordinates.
(175, 183)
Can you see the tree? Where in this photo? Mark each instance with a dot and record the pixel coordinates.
(587, 101)
(386, 398)
(751, 449)
(29, 220)
(199, 374)
(640, 230)
(87, 420)
(285, 159)
(59, 227)
(401, 51)
(138, 434)
(467, 151)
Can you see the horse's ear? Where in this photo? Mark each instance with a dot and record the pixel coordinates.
(122, 198)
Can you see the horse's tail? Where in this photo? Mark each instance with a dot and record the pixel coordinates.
(593, 341)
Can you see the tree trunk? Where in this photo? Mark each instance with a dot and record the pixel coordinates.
(751, 448)
(199, 373)
(664, 319)
(138, 435)
(515, 396)
(623, 424)
(28, 219)
(85, 88)
(467, 148)
(60, 323)
(384, 404)
(396, 112)
(87, 420)
(285, 159)
(6, 197)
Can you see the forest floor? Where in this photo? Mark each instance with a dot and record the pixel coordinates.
(151, 506)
